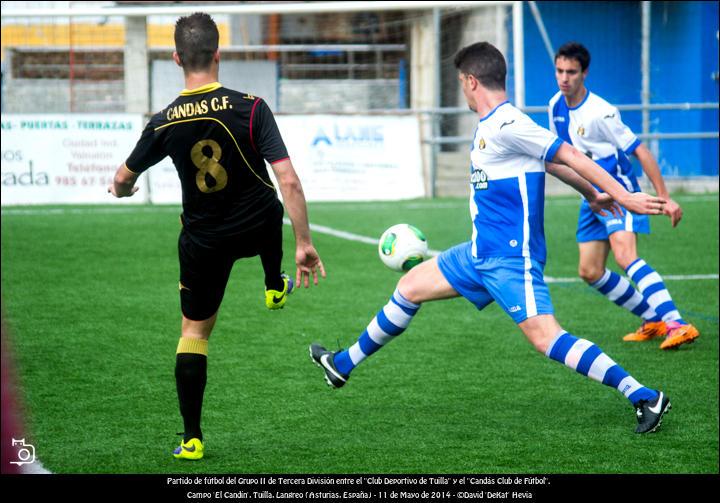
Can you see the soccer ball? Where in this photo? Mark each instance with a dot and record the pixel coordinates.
(402, 247)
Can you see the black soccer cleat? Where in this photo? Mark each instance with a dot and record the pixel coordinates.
(650, 414)
(324, 359)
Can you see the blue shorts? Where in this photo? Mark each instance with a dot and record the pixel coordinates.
(594, 227)
(515, 283)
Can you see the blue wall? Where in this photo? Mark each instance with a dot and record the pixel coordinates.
(684, 54)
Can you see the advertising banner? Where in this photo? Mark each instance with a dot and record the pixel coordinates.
(49, 159)
(66, 158)
(355, 158)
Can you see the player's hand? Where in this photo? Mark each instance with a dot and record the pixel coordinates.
(308, 263)
(128, 193)
(604, 203)
(674, 211)
(639, 202)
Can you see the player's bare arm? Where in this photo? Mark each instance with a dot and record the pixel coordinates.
(124, 182)
(307, 259)
(637, 202)
(652, 170)
(599, 202)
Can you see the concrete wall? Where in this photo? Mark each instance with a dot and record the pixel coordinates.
(53, 96)
(255, 77)
(344, 95)
(285, 96)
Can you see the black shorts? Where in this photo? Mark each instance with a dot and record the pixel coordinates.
(205, 270)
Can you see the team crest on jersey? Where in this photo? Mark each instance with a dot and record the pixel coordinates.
(481, 144)
(581, 131)
(479, 179)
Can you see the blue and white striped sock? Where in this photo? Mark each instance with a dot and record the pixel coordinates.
(621, 292)
(653, 290)
(587, 359)
(391, 321)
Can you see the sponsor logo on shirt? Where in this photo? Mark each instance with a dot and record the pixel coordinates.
(559, 118)
(479, 179)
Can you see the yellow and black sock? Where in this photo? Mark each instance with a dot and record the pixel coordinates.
(190, 378)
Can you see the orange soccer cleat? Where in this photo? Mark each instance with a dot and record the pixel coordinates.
(679, 334)
(647, 331)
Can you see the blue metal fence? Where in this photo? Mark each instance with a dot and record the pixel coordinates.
(683, 68)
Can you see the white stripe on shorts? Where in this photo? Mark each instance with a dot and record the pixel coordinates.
(628, 221)
(530, 304)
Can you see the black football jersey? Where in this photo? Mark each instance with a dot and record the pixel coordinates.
(218, 140)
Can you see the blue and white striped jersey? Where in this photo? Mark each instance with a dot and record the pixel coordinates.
(507, 184)
(594, 127)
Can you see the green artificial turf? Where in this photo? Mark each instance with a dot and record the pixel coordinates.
(91, 303)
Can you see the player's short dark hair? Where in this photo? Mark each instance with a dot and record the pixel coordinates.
(483, 61)
(196, 40)
(576, 51)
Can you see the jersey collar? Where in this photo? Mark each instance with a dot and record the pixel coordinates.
(587, 95)
(493, 110)
(202, 89)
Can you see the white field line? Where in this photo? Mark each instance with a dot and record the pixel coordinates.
(321, 229)
(349, 236)
(110, 210)
(410, 205)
